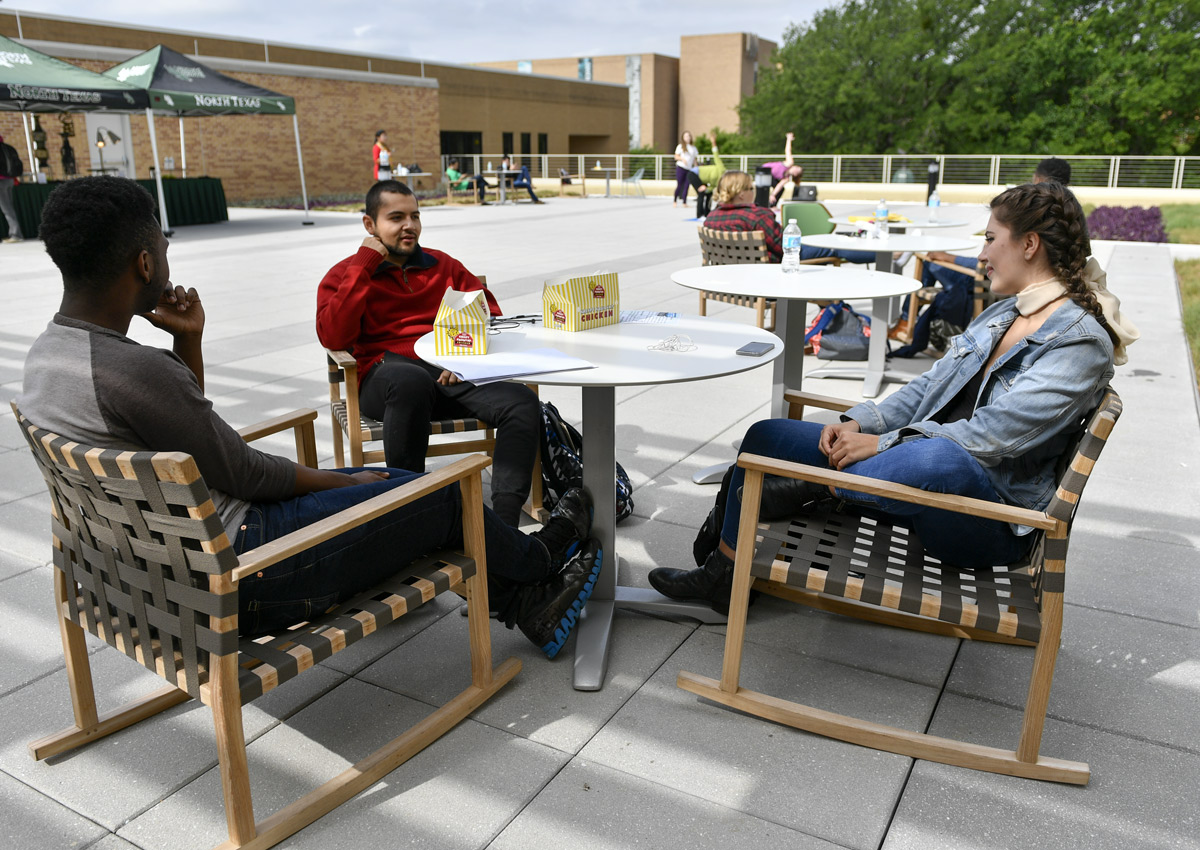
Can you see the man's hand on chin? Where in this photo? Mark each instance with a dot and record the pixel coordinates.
(375, 244)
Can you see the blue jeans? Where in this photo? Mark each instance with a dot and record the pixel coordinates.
(808, 252)
(309, 583)
(936, 465)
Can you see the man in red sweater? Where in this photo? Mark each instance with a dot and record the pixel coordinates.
(376, 304)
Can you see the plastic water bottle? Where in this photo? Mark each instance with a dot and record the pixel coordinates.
(791, 247)
(934, 203)
(881, 220)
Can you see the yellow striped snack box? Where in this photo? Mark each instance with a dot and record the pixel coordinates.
(460, 326)
(581, 303)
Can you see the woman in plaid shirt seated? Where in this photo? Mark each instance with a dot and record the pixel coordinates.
(736, 212)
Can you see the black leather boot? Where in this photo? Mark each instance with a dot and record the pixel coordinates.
(710, 533)
(711, 583)
(785, 497)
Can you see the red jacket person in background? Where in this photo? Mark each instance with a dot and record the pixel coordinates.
(376, 304)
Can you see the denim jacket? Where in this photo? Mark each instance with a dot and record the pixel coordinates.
(1029, 405)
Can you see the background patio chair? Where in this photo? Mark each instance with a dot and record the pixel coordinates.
(982, 295)
(143, 563)
(565, 178)
(868, 569)
(633, 181)
(811, 217)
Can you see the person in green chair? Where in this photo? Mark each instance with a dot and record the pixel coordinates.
(462, 182)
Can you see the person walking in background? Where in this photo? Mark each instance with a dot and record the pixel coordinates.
(382, 155)
(11, 169)
(686, 156)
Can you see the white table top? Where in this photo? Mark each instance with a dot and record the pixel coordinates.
(621, 355)
(811, 283)
(892, 242)
(922, 223)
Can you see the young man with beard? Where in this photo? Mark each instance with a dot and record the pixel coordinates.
(376, 304)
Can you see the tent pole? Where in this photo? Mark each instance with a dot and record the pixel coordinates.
(182, 147)
(162, 199)
(29, 143)
(300, 159)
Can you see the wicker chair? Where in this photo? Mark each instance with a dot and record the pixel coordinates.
(142, 562)
(727, 248)
(865, 568)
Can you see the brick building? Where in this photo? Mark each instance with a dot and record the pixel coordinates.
(341, 100)
(698, 91)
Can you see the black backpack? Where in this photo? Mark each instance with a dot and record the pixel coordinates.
(562, 463)
(10, 161)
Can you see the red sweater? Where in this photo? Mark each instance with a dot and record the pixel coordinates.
(369, 307)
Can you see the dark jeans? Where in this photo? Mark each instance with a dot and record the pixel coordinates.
(808, 252)
(527, 185)
(404, 394)
(681, 184)
(937, 465)
(7, 208)
(703, 198)
(954, 304)
(308, 584)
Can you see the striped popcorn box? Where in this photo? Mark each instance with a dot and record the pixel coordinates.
(460, 326)
(581, 303)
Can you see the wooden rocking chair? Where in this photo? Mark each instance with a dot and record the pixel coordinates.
(865, 568)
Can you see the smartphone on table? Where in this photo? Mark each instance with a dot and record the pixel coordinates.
(756, 349)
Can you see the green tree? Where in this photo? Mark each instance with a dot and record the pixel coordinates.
(871, 76)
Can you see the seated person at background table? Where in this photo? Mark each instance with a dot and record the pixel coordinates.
(705, 177)
(736, 212)
(462, 182)
(961, 286)
(989, 421)
(376, 304)
(86, 380)
(524, 180)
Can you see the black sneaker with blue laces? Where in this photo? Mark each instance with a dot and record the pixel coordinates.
(569, 525)
(547, 612)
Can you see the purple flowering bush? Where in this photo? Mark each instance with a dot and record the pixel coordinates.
(1127, 224)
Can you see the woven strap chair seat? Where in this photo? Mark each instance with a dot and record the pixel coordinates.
(372, 429)
(871, 561)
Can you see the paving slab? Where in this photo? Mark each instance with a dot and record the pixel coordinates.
(14, 565)
(29, 636)
(591, 807)
(540, 703)
(30, 820)
(26, 524)
(474, 768)
(117, 777)
(802, 781)
(1140, 795)
(1116, 672)
(19, 473)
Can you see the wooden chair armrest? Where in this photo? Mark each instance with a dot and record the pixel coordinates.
(975, 273)
(342, 359)
(299, 421)
(817, 261)
(309, 536)
(876, 487)
(812, 399)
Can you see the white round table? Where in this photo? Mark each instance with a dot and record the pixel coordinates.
(791, 293)
(622, 358)
(890, 245)
(923, 224)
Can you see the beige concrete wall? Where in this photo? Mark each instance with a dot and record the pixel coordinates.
(715, 73)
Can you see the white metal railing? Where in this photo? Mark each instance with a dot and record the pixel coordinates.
(1142, 172)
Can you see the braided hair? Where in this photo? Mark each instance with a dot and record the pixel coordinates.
(1051, 211)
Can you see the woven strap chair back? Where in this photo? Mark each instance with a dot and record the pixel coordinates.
(728, 248)
(138, 541)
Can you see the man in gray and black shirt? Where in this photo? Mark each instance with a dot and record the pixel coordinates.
(87, 380)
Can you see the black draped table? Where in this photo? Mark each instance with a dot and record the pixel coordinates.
(190, 200)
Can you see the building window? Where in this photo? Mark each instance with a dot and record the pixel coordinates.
(526, 148)
(543, 144)
(585, 69)
(506, 143)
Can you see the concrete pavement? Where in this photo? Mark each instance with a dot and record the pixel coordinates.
(639, 763)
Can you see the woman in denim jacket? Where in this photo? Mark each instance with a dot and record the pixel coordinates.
(989, 421)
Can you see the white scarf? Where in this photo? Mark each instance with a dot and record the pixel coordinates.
(1037, 295)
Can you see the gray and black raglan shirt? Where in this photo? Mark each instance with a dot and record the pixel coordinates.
(101, 388)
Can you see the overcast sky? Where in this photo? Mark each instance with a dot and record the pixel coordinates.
(463, 32)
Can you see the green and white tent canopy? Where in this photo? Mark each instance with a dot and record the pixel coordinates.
(31, 81)
(177, 84)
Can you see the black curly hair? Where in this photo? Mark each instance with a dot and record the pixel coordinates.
(94, 227)
(1052, 212)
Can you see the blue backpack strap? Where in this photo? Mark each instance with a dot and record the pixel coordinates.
(824, 319)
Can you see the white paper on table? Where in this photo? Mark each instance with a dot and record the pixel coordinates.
(502, 365)
(647, 317)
